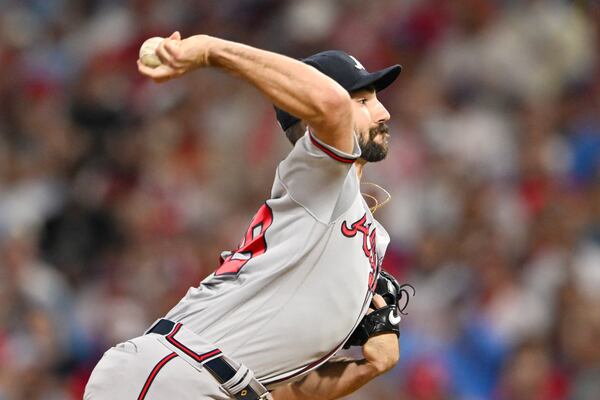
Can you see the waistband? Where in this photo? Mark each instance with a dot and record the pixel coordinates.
(237, 379)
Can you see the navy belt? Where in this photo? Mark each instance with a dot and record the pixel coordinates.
(218, 367)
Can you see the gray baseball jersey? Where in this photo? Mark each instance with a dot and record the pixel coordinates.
(302, 278)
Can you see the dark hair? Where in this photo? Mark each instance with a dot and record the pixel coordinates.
(295, 132)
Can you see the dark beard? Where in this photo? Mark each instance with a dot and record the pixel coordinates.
(371, 151)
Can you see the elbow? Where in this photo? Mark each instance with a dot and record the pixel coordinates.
(333, 105)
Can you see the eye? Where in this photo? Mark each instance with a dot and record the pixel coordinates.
(362, 101)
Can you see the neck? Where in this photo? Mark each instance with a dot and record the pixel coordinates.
(360, 164)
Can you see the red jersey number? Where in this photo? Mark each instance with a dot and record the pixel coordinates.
(253, 243)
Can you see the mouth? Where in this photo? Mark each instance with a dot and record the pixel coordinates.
(380, 134)
(385, 137)
(381, 130)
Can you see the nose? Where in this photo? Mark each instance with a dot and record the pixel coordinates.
(381, 114)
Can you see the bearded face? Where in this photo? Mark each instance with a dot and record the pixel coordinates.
(374, 146)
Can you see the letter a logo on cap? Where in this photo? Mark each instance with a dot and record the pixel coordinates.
(357, 63)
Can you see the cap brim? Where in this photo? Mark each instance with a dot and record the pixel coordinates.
(378, 79)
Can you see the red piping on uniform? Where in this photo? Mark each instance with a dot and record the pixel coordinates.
(329, 152)
(308, 367)
(197, 357)
(153, 374)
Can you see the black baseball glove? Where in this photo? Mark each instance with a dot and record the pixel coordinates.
(385, 319)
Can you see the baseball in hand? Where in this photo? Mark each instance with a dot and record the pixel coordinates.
(148, 55)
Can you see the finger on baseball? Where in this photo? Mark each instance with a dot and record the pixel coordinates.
(159, 73)
(163, 55)
(144, 70)
(175, 35)
(172, 48)
(378, 301)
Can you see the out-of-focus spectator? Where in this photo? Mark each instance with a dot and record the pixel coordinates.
(531, 374)
(117, 194)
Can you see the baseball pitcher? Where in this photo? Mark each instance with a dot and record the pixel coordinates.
(305, 280)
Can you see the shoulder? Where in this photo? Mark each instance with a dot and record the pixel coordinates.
(313, 146)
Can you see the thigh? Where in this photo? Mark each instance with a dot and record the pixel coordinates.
(144, 369)
(179, 380)
(118, 373)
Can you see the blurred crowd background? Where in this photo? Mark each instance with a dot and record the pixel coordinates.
(117, 194)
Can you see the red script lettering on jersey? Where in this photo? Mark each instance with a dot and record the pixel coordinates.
(369, 243)
(253, 243)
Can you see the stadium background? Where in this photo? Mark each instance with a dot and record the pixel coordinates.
(116, 194)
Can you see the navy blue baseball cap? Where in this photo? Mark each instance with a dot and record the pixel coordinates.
(348, 72)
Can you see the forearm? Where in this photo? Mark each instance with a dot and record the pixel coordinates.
(338, 378)
(333, 380)
(288, 83)
(291, 85)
